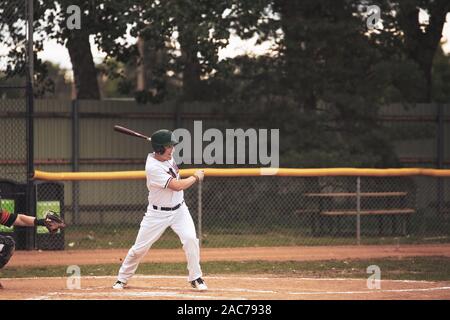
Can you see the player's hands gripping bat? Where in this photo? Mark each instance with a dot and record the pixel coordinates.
(131, 132)
(199, 174)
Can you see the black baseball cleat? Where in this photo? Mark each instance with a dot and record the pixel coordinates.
(199, 284)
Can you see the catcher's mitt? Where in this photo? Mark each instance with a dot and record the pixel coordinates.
(53, 222)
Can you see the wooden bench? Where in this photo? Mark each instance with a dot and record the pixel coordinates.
(323, 211)
(368, 212)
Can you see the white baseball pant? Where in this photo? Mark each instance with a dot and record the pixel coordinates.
(152, 227)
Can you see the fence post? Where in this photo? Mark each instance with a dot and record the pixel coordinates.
(440, 155)
(30, 186)
(358, 210)
(199, 213)
(75, 161)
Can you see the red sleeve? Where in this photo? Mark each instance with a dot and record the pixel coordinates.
(4, 216)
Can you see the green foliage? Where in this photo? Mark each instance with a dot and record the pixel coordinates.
(441, 77)
(201, 29)
(13, 37)
(105, 20)
(323, 87)
(416, 40)
(321, 84)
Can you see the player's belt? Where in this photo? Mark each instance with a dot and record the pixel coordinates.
(168, 208)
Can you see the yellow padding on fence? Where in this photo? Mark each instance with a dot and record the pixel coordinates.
(68, 176)
(214, 172)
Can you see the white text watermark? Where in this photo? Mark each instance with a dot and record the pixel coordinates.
(233, 146)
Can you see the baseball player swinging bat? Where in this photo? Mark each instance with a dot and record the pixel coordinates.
(166, 208)
(131, 132)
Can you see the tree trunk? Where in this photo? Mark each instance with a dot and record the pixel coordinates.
(192, 85)
(84, 70)
(290, 16)
(297, 49)
(141, 83)
(421, 45)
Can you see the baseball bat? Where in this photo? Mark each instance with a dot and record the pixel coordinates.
(131, 132)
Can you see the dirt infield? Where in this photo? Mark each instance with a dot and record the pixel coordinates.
(260, 287)
(223, 287)
(83, 257)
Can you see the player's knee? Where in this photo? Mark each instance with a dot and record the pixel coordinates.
(136, 252)
(7, 247)
(190, 241)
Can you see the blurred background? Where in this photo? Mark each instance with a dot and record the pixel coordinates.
(347, 83)
(323, 72)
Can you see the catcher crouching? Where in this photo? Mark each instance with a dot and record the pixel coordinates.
(7, 245)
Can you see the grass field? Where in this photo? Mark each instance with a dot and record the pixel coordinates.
(103, 237)
(417, 268)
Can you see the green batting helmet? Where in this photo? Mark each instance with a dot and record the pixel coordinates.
(161, 139)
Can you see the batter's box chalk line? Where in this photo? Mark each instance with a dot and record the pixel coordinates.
(227, 278)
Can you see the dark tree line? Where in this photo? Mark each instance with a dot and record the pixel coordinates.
(203, 27)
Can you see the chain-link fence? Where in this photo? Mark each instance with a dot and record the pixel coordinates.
(14, 150)
(13, 109)
(264, 211)
(13, 61)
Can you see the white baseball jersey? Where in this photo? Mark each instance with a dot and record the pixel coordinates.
(159, 174)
